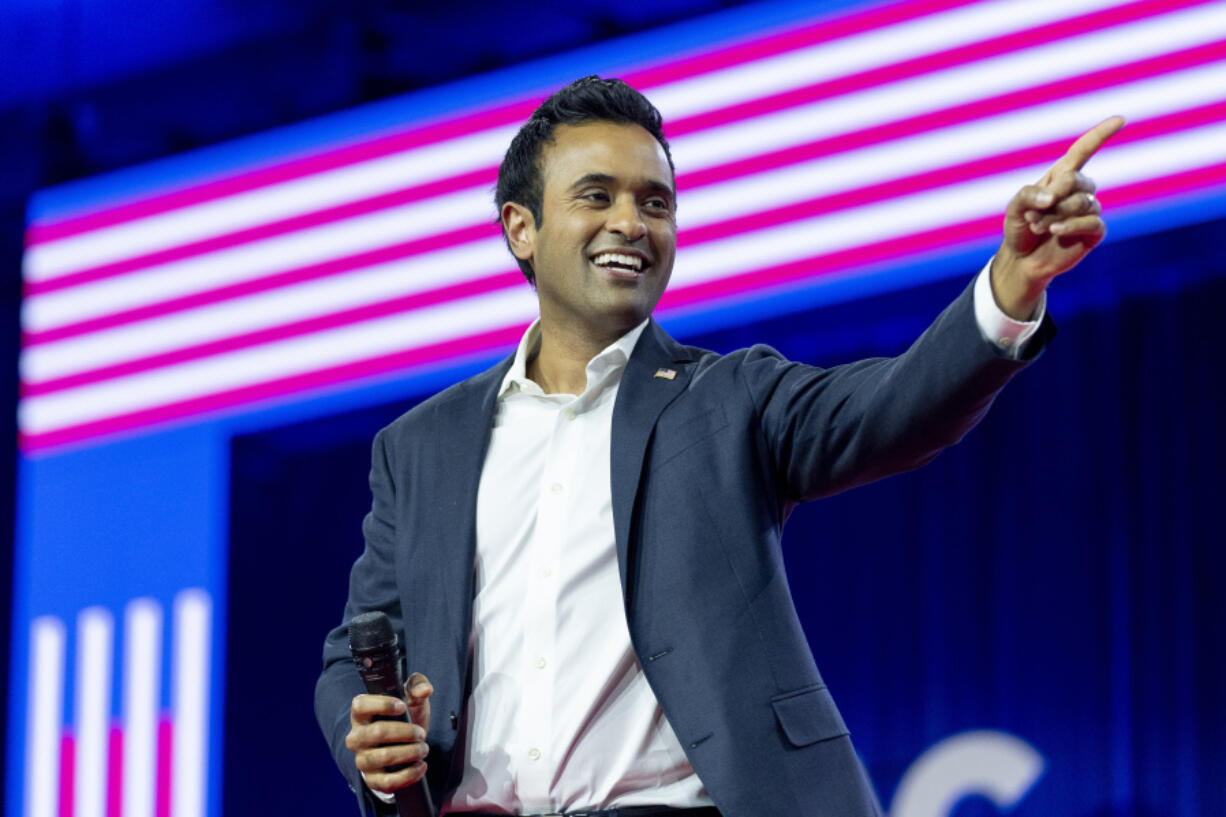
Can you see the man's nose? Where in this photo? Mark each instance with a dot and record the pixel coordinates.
(625, 219)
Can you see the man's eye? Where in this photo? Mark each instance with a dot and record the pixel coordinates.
(596, 195)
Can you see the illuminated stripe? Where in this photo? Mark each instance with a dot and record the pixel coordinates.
(44, 717)
(191, 655)
(95, 637)
(142, 664)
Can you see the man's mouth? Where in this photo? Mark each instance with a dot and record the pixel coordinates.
(619, 262)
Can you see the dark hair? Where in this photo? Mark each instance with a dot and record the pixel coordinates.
(590, 99)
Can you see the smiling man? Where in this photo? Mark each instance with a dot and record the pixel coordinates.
(580, 548)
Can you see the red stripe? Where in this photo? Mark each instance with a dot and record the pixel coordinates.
(821, 31)
(1136, 131)
(68, 762)
(165, 770)
(320, 323)
(345, 373)
(114, 791)
(927, 64)
(304, 221)
(324, 269)
(986, 228)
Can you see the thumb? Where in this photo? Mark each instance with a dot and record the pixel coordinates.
(417, 691)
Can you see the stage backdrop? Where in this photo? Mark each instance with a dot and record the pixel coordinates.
(210, 341)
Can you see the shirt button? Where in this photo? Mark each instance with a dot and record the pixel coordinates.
(534, 753)
(539, 663)
(556, 488)
(570, 414)
(1005, 342)
(546, 572)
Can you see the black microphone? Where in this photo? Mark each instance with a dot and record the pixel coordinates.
(377, 655)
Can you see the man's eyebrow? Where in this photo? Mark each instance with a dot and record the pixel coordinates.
(604, 178)
(593, 178)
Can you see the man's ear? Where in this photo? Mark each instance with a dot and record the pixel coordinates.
(519, 227)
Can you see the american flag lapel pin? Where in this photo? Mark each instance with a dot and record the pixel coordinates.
(665, 374)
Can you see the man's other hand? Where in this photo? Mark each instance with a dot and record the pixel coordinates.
(1050, 226)
(380, 744)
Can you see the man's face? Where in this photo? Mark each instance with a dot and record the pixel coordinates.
(604, 250)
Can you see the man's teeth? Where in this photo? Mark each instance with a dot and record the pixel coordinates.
(607, 259)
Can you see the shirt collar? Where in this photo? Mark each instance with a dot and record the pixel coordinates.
(610, 360)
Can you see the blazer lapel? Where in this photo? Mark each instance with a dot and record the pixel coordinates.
(655, 376)
(462, 422)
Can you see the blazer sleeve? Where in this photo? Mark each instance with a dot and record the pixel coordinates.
(828, 430)
(372, 587)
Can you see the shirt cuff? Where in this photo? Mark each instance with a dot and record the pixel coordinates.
(382, 795)
(997, 328)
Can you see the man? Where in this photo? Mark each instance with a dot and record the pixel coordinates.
(580, 547)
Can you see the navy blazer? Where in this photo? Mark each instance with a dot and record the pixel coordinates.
(706, 468)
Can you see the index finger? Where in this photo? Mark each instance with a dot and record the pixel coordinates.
(369, 705)
(1088, 144)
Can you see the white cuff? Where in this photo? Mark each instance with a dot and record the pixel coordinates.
(997, 328)
(382, 795)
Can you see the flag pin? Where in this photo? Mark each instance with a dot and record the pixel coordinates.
(666, 374)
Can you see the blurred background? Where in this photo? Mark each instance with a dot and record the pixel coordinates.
(239, 238)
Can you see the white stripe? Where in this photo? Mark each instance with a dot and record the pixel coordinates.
(742, 253)
(93, 711)
(933, 92)
(193, 614)
(455, 319)
(738, 197)
(862, 52)
(142, 694)
(705, 92)
(44, 717)
(219, 216)
(370, 285)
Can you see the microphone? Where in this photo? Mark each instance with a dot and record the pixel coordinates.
(377, 656)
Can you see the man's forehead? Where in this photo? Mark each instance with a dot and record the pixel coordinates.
(613, 150)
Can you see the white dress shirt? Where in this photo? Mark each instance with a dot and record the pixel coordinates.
(560, 716)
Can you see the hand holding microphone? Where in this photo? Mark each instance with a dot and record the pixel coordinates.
(387, 737)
